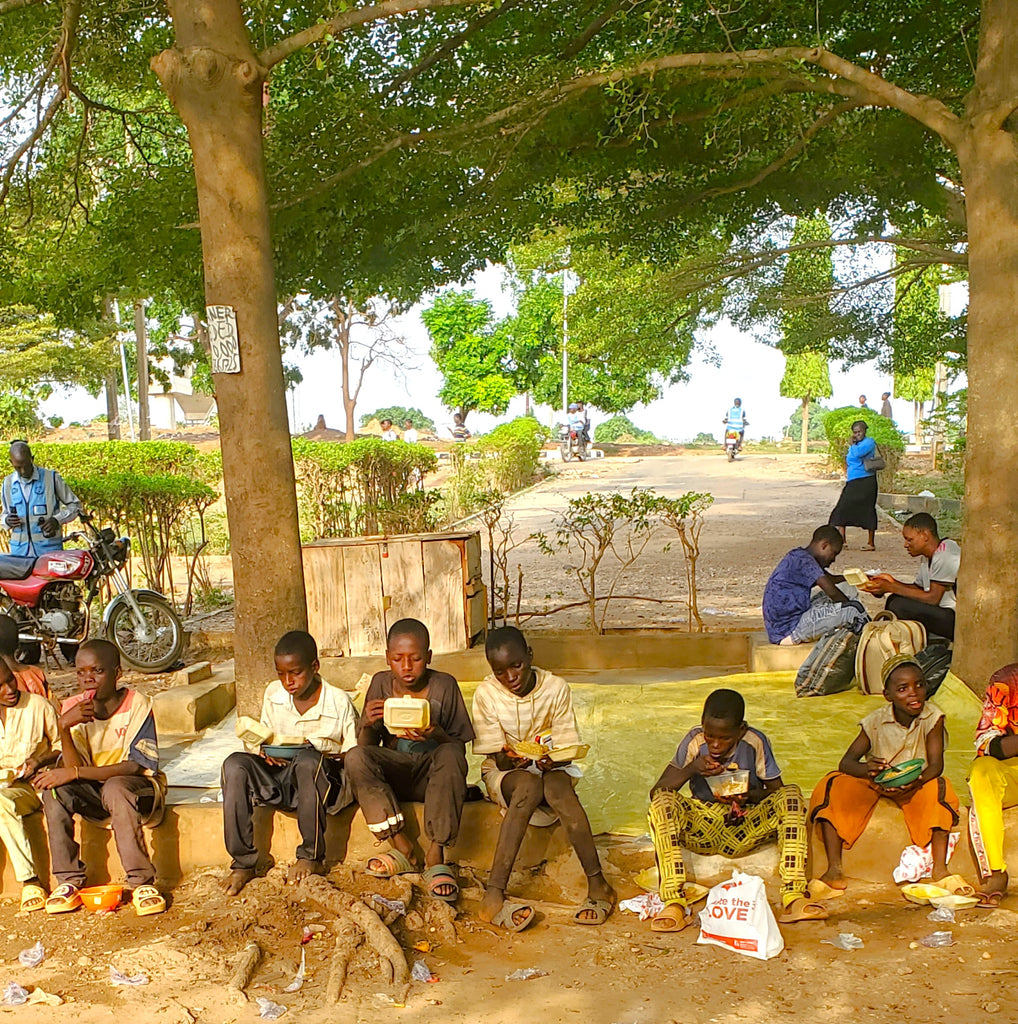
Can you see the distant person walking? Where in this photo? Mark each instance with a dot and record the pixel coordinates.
(459, 428)
(862, 402)
(857, 505)
(885, 407)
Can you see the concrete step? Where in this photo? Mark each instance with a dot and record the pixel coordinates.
(767, 657)
(196, 673)
(189, 709)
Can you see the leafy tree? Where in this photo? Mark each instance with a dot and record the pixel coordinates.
(806, 320)
(817, 410)
(622, 428)
(469, 353)
(399, 414)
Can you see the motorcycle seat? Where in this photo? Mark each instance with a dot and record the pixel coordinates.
(15, 567)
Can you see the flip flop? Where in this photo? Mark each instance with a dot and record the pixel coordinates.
(602, 909)
(147, 899)
(395, 863)
(956, 885)
(63, 899)
(672, 918)
(989, 900)
(819, 890)
(808, 910)
(33, 897)
(438, 876)
(504, 918)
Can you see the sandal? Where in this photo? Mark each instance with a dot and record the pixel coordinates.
(803, 909)
(439, 877)
(819, 890)
(601, 908)
(504, 918)
(672, 918)
(147, 899)
(393, 863)
(33, 897)
(989, 900)
(64, 898)
(956, 885)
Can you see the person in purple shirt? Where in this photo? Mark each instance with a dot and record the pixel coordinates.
(792, 614)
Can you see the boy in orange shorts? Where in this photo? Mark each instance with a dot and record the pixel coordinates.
(906, 728)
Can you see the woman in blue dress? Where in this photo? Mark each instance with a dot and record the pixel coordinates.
(857, 505)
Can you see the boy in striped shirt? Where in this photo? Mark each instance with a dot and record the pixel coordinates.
(516, 704)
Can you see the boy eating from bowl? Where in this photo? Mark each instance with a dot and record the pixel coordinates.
(319, 721)
(516, 704)
(428, 764)
(726, 823)
(29, 740)
(906, 728)
(109, 771)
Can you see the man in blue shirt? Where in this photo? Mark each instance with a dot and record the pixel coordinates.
(790, 615)
(736, 420)
(36, 505)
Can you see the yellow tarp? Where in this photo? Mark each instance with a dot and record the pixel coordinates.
(633, 728)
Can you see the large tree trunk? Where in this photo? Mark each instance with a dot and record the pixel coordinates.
(804, 436)
(214, 80)
(343, 337)
(112, 406)
(987, 627)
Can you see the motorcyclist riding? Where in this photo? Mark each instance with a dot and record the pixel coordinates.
(736, 420)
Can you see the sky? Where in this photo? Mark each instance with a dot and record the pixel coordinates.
(748, 369)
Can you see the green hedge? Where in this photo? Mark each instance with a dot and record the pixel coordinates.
(622, 428)
(890, 442)
(511, 453)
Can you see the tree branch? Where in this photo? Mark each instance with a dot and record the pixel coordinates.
(13, 5)
(271, 56)
(593, 28)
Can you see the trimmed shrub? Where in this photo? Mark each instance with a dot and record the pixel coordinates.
(890, 443)
(511, 453)
(621, 428)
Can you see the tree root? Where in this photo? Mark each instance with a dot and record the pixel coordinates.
(347, 941)
(442, 917)
(245, 968)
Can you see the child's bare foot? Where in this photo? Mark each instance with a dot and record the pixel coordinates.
(237, 879)
(301, 869)
(598, 890)
(491, 904)
(834, 878)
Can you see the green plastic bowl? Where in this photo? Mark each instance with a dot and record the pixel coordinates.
(901, 774)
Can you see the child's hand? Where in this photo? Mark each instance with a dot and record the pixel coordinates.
(28, 769)
(50, 778)
(374, 710)
(517, 760)
(80, 713)
(878, 584)
(875, 765)
(433, 732)
(706, 765)
(546, 764)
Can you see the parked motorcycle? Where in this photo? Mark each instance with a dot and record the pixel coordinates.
(50, 597)
(571, 443)
(732, 444)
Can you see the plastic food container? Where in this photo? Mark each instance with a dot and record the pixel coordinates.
(901, 774)
(252, 732)
(855, 576)
(402, 713)
(729, 783)
(923, 893)
(101, 897)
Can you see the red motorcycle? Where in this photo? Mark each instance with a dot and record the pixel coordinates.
(50, 597)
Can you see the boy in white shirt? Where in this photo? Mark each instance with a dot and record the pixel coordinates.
(409, 431)
(299, 704)
(518, 703)
(388, 434)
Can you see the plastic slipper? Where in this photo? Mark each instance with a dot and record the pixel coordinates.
(33, 897)
(63, 899)
(438, 877)
(395, 863)
(673, 918)
(818, 889)
(802, 909)
(504, 918)
(147, 899)
(957, 885)
(989, 900)
(601, 908)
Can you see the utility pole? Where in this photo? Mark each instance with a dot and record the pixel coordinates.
(565, 338)
(141, 340)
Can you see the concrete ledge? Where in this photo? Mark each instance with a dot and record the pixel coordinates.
(915, 503)
(768, 657)
(191, 708)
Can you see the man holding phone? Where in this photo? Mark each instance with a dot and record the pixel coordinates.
(36, 504)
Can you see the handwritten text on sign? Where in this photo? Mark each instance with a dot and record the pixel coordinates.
(223, 338)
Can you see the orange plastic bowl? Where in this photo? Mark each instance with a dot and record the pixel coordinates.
(101, 897)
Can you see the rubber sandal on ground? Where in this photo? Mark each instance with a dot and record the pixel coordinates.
(956, 885)
(672, 918)
(64, 898)
(504, 918)
(33, 897)
(818, 889)
(438, 877)
(989, 900)
(601, 908)
(394, 863)
(802, 909)
(147, 899)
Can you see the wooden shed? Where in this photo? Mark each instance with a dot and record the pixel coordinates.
(358, 587)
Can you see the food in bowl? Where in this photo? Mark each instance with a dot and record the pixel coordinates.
(727, 784)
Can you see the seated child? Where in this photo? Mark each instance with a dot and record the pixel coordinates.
(109, 771)
(518, 702)
(298, 703)
(790, 615)
(729, 826)
(30, 678)
(29, 740)
(993, 781)
(429, 764)
(904, 728)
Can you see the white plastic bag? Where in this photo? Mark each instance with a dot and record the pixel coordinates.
(737, 916)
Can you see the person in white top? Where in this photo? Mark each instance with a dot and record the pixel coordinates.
(388, 434)
(931, 599)
(409, 432)
(516, 706)
(298, 707)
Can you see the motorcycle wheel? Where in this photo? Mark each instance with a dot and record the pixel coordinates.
(565, 453)
(731, 454)
(69, 651)
(158, 654)
(28, 653)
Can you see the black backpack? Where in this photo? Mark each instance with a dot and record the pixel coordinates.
(935, 661)
(830, 667)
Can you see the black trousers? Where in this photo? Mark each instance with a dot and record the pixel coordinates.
(308, 784)
(938, 621)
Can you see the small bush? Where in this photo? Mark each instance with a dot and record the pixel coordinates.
(622, 428)
(511, 453)
(399, 414)
(890, 443)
